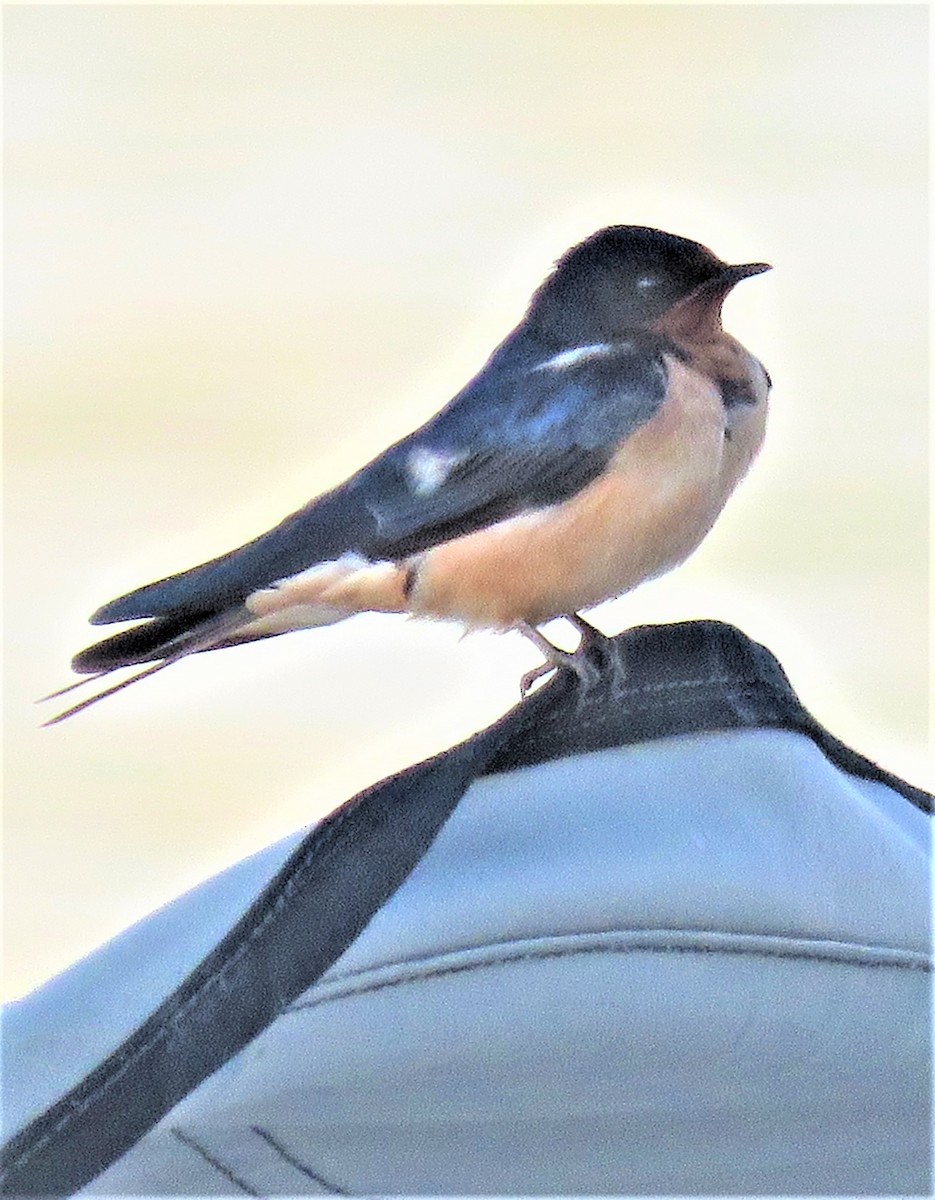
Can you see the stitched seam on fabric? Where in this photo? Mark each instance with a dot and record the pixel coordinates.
(599, 717)
(638, 936)
(190, 1143)
(635, 947)
(609, 714)
(291, 1159)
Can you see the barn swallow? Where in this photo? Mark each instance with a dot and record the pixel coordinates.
(593, 451)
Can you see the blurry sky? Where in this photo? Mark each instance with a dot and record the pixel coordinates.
(248, 246)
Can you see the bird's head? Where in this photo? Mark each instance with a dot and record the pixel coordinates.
(629, 276)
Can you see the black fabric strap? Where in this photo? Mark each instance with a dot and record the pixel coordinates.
(654, 681)
(689, 677)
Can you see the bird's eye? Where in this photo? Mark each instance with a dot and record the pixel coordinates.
(646, 281)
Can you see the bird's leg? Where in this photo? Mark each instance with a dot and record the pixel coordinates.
(544, 646)
(605, 649)
(591, 636)
(575, 661)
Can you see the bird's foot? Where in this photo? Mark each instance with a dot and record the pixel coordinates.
(606, 652)
(532, 677)
(586, 661)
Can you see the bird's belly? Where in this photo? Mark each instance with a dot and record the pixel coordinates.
(654, 504)
(543, 564)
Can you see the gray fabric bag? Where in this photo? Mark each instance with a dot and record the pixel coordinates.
(666, 937)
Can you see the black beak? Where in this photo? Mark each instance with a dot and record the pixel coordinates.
(734, 275)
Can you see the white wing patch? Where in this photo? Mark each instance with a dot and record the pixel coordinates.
(577, 354)
(428, 469)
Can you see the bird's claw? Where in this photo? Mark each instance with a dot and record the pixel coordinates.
(532, 677)
(586, 662)
(604, 654)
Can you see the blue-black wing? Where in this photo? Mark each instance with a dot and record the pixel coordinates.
(508, 446)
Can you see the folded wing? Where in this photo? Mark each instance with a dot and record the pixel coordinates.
(532, 429)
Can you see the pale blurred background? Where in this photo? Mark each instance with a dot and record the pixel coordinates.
(249, 246)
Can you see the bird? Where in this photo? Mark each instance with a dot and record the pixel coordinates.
(594, 450)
